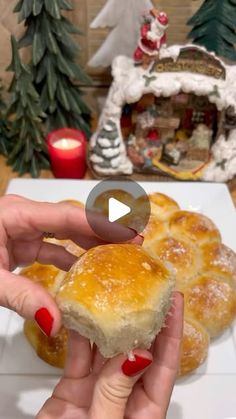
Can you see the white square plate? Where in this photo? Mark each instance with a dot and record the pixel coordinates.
(209, 393)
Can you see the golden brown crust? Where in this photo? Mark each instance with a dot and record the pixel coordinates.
(221, 260)
(162, 206)
(212, 302)
(206, 274)
(183, 257)
(107, 276)
(51, 350)
(155, 230)
(44, 275)
(195, 344)
(196, 227)
(117, 296)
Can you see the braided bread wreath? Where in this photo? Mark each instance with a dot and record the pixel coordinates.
(205, 271)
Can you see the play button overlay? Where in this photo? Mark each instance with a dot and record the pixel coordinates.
(117, 210)
(120, 202)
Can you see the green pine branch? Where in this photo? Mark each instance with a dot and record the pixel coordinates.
(214, 27)
(56, 75)
(27, 151)
(4, 149)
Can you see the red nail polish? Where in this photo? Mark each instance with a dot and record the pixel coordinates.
(132, 368)
(44, 320)
(133, 230)
(136, 233)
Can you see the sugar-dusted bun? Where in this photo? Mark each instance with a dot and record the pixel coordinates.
(196, 227)
(117, 296)
(162, 206)
(51, 350)
(155, 229)
(195, 344)
(212, 302)
(221, 260)
(181, 254)
(205, 272)
(44, 275)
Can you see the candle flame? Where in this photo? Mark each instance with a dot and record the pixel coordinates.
(66, 144)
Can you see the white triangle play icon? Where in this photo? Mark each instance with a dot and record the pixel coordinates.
(117, 210)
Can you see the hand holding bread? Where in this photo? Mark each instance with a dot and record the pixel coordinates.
(117, 296)
(94, 387)
(23, 224)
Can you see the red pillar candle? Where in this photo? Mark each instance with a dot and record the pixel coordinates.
(67, 151)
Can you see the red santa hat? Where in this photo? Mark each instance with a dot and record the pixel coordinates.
(161, 18)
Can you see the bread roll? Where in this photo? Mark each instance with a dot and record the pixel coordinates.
(212, 302)
(195, 344)
(117, 296)
(221, 260)
(44, 275)
(162, 206)
(196, 227)
(50, 349)
(205, 272)
(182, 255)
(155, 229)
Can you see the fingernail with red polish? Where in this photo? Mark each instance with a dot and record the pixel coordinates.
(44, 320)
(133, 230)
(136, 233)
(132, 368)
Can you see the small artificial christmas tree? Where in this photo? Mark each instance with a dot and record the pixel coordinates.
(214, 27)
(53, 62)
(108, 146)
(125, 18)
(28, 152)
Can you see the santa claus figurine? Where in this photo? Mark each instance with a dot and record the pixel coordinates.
(152, 38)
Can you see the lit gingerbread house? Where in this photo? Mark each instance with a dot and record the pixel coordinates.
(177, 117)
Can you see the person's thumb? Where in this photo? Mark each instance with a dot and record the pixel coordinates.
(30, 301)
(115, 384)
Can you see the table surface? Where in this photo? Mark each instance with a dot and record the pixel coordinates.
(6, 174)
